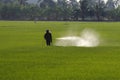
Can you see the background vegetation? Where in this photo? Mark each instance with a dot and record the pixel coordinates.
(60, 10)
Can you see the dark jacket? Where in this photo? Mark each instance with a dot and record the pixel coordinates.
(48, 36)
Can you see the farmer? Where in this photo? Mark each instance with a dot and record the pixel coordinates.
(48, 37)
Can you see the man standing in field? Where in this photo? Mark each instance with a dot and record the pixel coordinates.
(48, 37)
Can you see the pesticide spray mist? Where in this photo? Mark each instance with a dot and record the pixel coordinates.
(87, 38)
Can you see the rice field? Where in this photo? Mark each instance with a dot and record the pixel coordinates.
(25, 56)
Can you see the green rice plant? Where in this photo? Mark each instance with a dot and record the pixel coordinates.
(25, 56)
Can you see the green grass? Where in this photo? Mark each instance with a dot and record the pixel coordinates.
(24, 56)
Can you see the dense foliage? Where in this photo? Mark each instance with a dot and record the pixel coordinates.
(60, 10)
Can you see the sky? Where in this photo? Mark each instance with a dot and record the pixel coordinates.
(105, 1)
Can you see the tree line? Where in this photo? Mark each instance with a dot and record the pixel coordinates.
(59, 10)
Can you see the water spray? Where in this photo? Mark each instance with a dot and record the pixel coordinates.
(87, 38)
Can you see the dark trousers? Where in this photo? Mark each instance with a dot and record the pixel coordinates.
(48, 43)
